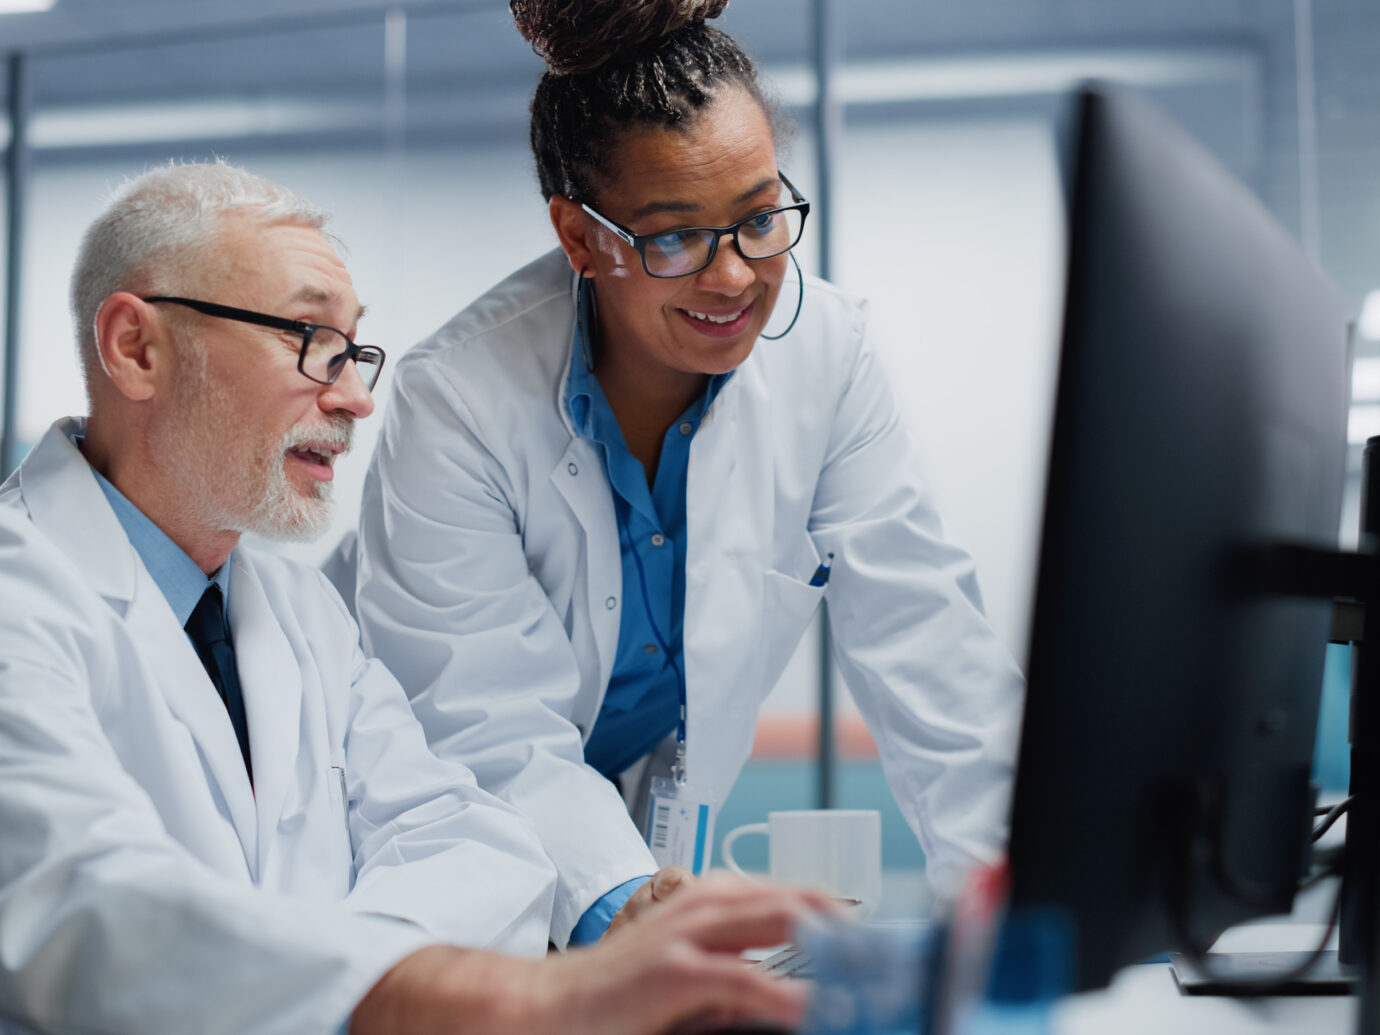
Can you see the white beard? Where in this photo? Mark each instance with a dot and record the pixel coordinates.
(282, 512)
(226, 491)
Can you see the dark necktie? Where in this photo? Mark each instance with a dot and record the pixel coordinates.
(211, 638)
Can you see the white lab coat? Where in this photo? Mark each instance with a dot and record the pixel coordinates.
(490, 580)
(143, 886)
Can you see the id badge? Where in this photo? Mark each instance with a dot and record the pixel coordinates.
(680, 825)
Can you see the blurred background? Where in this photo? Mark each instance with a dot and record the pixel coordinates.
(926, 137)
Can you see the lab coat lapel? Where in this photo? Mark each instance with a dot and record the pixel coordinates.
(65, 501)
(194, 700)
(579, 478)
(271, 680)
(729, 522)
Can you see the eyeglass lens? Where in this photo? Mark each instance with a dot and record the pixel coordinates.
(327, 353)
(685, 251)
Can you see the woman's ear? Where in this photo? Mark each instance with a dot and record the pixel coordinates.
(573, 228)
(132, 343)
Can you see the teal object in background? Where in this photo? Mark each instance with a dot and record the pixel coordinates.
(1332, 753)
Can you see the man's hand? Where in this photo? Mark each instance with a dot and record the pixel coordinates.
(679, 968)
(664, 883)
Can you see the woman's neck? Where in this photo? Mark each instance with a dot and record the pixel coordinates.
(646, 404)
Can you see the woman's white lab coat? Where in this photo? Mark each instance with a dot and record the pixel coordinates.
(490, 580)
(144, 887)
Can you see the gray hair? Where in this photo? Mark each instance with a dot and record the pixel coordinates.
(161, 225)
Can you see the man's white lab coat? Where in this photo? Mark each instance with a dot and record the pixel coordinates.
(144, 886)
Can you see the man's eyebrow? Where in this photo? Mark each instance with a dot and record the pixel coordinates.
(320, 297)
(690, 206)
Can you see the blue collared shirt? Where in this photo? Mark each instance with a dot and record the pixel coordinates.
(177, 576)
(642, 701)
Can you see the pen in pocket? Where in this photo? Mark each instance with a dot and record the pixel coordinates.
(821, 575)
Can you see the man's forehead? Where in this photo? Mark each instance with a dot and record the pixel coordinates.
(297, 259)
(313, 295)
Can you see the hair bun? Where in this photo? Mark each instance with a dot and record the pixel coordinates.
(574, 36)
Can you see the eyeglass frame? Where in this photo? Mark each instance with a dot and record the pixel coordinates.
(639, 242)
(279, 323)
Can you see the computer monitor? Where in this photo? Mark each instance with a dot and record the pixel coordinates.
(1163, 787)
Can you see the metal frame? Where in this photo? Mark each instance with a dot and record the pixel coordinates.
(828, 118)
(16, 201)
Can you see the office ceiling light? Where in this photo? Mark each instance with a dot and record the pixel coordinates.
(1369, 325)
(25, 6)
(1016, 75)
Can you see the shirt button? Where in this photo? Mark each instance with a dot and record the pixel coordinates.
(650, 648)
(658, 539)
(686, 427)
(572, 468)
(611, 603)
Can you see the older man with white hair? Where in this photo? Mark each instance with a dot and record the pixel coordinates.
(216, 814)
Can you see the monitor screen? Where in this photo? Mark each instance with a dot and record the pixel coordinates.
(1162, 791)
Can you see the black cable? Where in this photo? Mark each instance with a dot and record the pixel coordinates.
(1331, 816)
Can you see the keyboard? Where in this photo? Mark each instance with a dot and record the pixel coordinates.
(789, 962)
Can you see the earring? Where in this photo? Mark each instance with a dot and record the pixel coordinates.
(799, 301)
(586, 319)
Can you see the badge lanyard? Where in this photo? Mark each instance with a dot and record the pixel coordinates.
(680, 816)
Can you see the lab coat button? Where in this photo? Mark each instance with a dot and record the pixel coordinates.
(686, 427)
(658, 539)
(611, 603)
(650, 648)
(572, 468)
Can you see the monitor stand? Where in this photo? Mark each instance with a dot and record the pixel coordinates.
(1232, 973)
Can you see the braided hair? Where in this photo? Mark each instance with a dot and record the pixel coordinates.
(615, 66)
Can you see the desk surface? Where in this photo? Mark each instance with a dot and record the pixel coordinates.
(1145, 1000)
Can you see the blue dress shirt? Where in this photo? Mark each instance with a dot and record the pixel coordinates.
(642, 701)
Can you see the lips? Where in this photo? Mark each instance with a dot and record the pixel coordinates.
(720, 322)
(315, 448)
(323, 455)
(725, 318)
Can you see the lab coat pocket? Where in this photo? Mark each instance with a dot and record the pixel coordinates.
(788, 604)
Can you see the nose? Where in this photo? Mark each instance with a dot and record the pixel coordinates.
(729, 273)
(347, 394)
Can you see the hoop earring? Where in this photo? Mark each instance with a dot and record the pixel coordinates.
(586, 319)
(799, 301)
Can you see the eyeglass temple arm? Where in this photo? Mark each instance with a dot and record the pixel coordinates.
(623, 235)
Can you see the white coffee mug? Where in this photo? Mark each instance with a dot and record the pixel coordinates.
(833, 850)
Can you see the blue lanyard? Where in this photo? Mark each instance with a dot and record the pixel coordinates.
(678, 768)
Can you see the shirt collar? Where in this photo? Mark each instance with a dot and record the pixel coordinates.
(177, 576)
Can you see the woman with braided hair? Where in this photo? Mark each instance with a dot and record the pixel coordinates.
(605, 504)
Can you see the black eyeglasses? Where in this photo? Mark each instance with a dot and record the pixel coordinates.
(679, 253)
(325, 350)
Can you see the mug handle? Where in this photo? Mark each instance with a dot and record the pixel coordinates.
(733, 835)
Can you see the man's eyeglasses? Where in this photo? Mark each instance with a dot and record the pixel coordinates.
(325, 350)
(679, 253)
